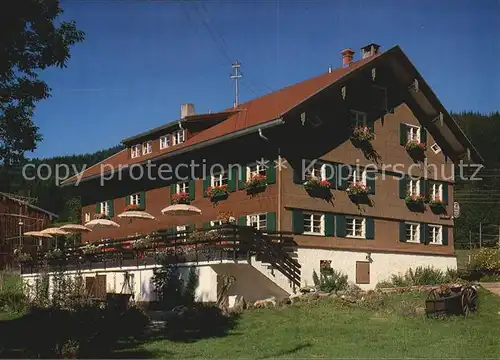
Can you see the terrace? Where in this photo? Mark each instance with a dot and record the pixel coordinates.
(228, 242)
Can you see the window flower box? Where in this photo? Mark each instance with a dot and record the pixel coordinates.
(256, 183)
(180, 198)
(318, 188)
(361, 136)
(437, 206)
(415, 202)
(414, 147)
(100, 216)
(90, 249)
(357, 191)
(132, 207)
(216, 193)
(142, 243)
(22, 256)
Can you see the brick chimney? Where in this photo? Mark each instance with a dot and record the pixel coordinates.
(187, 110)
(347, 56)
(369, 50)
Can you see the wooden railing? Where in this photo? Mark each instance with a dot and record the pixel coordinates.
(226, 242)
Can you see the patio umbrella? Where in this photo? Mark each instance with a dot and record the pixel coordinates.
(181, 209)
(75, 228)
(38, 234)
(101, 224)
(136, 214)
(54, 231)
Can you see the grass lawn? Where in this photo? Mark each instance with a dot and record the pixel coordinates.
(330, 328)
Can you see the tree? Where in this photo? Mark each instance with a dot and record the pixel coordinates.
(30, 42)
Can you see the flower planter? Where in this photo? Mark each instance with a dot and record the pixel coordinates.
(361, 137)
(415, 149)
(256, 183)
(415, 203)
(318, 188)
(217, 193)
(437, 207)
(358, 198)
(180, 198)
(358, 192)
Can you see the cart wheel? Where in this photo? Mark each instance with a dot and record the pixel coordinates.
(469, 300)
(433, 295)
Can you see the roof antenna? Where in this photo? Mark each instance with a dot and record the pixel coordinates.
(236, 76)
(329, 68)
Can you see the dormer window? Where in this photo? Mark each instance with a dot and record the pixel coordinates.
(135, 151)
(164, 142)
(178, 137)
(147, 148)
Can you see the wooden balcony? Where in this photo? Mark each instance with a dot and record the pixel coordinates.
(227, 242)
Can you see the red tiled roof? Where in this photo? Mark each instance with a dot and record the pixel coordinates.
(254, 112)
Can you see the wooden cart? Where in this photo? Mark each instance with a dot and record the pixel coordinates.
(457, 300)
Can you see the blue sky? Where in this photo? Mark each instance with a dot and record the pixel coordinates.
(142, 59)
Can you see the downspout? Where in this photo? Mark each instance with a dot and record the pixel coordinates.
(261, 135)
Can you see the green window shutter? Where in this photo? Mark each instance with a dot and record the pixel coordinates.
(445, 193)
(173, 190)
(423, 187)
(271, 173)
(329, 225)
(111, 207)
(205, 225)
(97, 208)
(370, 228)
(402, 232)
(242, 220)
(297, 221)
(423, 135)
(403, 187)
(271, 221)
(142, 200)
(340, 225)
(403, 137)
(190, 228)
(371, 124)
(423, 233)
(231, 181)
(242, 177)
(445, 235)
(330, 174)
(192, 190)
(370, 181)
(170, 230)
(206, 185)
(343, 179)
(127, 200)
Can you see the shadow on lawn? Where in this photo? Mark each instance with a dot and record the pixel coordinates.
(196, 323)
(83, 332)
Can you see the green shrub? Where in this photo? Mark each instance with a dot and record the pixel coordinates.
(486, 259)
(420, 276)
(171, 289)
(329, 281)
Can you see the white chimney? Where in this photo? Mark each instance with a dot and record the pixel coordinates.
(369, 50)
(187, 110)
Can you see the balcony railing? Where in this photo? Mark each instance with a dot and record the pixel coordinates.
(225, 242)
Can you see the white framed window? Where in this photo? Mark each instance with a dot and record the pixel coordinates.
(436, 191)
(358, 176)
(414, 187)
(359, 118)
(355, 227)
(435, 234)
(219, 179)
(178, 137)
(435, 147)
(147, 147)
(314, 223)
(412, 132)
(135, 199)
(219, 222)
(255, 169)
(87, 217)
(164, 142)
(182, 187)
(317, 171)
(258, 221)
(412, 232)
(135, 151)
(104, 208)
(180, 229)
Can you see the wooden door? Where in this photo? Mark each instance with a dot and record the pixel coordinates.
(90, 286)
(100, 286)
(362, 272)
